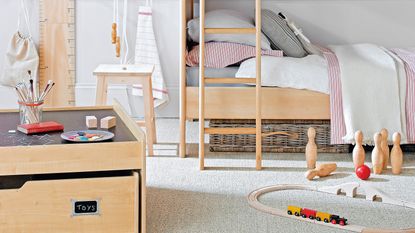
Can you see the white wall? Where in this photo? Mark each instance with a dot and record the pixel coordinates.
(385, 22)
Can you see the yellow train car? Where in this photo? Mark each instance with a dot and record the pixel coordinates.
(321, 216)
(294, 210)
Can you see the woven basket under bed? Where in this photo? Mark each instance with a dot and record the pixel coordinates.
(276, 143)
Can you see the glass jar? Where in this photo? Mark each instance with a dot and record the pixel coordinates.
(30, 112)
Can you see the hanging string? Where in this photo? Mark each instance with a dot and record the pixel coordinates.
(26, 16)
(124, 34)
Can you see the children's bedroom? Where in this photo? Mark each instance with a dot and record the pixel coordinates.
(207, 116)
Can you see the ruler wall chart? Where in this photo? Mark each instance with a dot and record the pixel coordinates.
(57, 50)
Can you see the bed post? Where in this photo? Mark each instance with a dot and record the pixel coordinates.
(258, 94)
(183, 22)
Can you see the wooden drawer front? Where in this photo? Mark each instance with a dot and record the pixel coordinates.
(47, 206)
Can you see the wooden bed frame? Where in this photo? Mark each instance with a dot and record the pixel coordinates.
(239, 102)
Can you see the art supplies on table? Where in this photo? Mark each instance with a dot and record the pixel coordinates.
(87, 136)
(42, 127)
(31, 100)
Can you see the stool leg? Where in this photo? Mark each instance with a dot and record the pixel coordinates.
(102, 90)
(149, 115)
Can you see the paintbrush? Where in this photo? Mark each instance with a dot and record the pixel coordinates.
(32, 93)
(47, 90)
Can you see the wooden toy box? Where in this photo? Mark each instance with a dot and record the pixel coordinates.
(48, 185)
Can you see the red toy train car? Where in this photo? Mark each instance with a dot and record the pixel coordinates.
(317, 215)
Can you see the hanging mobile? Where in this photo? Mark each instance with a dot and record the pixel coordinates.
(114, 24)
(115, 35)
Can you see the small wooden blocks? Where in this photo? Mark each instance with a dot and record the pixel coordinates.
(108, 122)
(91, 122)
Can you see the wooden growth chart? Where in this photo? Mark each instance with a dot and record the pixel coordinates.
(57, 50)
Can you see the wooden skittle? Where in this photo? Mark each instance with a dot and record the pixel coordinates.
(396, 154)
(377, 154)
(311, 149)
(322, 170)
(385, 147)
(358, 150)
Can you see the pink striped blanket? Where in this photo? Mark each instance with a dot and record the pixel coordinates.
(223, 54)
(338, 129)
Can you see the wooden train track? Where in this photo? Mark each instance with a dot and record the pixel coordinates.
(348, 188)
(57, 50)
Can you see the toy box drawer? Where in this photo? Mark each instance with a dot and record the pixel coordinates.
(81, 205)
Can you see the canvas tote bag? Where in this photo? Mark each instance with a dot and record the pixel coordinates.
(21, 55)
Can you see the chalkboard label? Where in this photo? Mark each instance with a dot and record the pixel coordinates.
(85, 208)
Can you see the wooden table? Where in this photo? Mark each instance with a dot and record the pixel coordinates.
(50, 185)
(130, 74)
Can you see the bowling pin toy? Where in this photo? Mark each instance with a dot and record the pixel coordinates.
(377, 154)
(358, 150)
(385, 148)
(311, 149)
(321, 170)
(396, 154)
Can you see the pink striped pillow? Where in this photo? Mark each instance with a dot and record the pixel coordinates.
(223, 54)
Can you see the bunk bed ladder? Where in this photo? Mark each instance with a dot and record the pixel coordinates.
(254, 80)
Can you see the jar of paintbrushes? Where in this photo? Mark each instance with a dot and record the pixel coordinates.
(30, 101)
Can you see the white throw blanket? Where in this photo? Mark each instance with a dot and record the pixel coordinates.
(371, 93)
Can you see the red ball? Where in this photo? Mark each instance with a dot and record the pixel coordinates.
(363, 172)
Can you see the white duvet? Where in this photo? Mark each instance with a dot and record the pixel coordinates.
(373, 85)
(309, 72)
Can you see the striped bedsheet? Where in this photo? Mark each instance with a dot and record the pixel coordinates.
(223, 54)
(408, 58)
(338, 129)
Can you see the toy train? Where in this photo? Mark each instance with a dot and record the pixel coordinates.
(319, 216)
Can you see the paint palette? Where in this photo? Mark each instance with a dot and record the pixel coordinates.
(87, 136)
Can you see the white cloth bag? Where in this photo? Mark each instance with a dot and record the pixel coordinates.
(146, 52)
(21, 55)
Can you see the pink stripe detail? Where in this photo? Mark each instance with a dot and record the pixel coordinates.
(409, 59)
(144, 13)
(223, 54)
(337, 123)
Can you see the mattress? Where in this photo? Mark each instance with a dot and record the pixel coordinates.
(308, 73)
(192, 78)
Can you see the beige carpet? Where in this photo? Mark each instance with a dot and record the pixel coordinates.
(182, 199)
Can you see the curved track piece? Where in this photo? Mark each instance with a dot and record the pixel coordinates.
(348, 188)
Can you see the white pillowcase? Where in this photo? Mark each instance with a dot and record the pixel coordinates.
(309, 72)
(226, 19)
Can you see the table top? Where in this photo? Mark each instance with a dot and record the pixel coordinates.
(72, 121)
(124, 70)
(22, 154)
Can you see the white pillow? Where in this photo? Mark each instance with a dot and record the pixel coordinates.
(226, 19)
(309, 72)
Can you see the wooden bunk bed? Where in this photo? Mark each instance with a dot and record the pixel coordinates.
(254, 102)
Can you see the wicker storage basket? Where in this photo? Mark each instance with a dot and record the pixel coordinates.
(276, 143)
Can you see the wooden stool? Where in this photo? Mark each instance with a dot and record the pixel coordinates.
(130, 74)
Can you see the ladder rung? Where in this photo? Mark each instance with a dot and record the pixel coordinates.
(230, 80)
(230, 130)
(230, 30)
